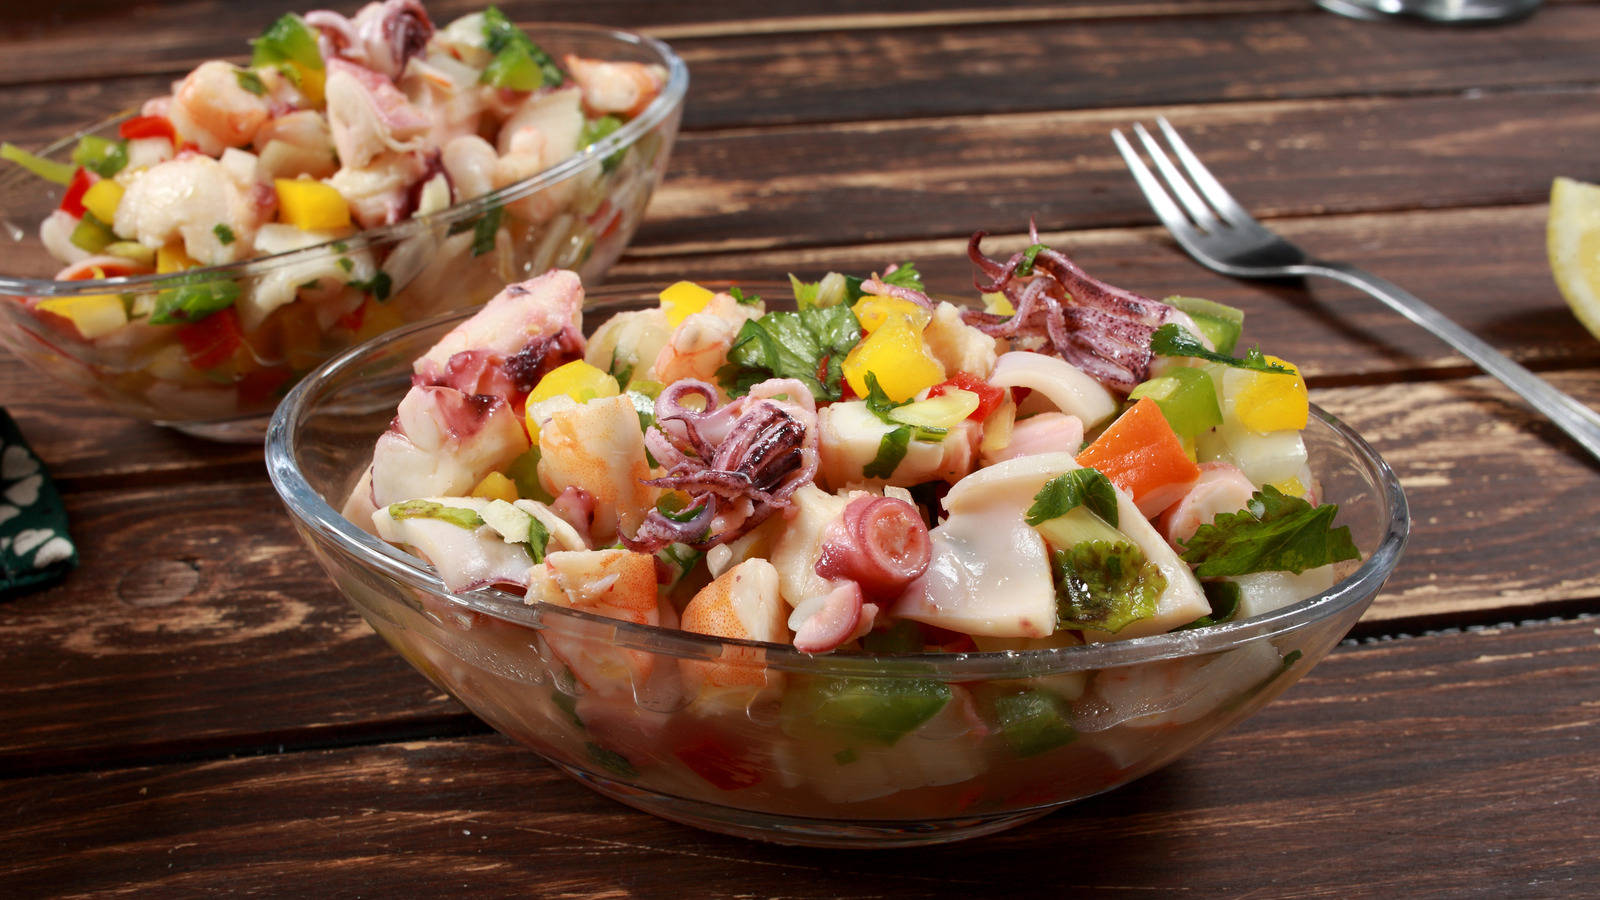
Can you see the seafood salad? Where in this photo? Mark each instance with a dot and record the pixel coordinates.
(872, 471)
(337, 126)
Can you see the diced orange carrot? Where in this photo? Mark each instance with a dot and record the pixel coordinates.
(1141, 454)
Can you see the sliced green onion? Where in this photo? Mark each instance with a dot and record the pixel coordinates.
(48, 169)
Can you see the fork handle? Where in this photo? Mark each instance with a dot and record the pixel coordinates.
(1577, 420)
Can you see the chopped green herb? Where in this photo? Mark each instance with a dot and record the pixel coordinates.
(519, 64)
(742, 298)
(103, 156)
(846, 756)
(224, 234)
(485, 230)
(879, 404)
(1172, 340)
(1104, 586)
(524, 472)
(808, 345)
(611, 760)
(1069, 490)
(1224, 597)
(250, 81)
(379, 285)
(430, 509)
(192, 302)
(538, 538)
(567, 704)
(1273, 533)
(598, 130)
(891, 450)
(1025, 267)
(346, 263)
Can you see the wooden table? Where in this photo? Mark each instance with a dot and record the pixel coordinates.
(196, 710)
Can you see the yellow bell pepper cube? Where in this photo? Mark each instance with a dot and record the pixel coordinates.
(872, 311)
(682, 300)
(94, 316)
(311, 83)
(1273, 401)
(898, 357)
(998, 304)
(102, 199)
(578, 380)
(172, 258)
(496, 486)
(311, 205)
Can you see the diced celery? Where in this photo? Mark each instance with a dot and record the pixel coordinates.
(1188, 400)
(1219, 323)
(1076, 527)
(1032, 722)
(48, 169)
(103, 156)
(91, 234)
(943, 412)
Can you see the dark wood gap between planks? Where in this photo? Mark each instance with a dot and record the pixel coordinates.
(450, 726)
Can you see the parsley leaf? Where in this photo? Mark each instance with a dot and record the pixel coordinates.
(891, 450)
(1224, 597)
(742, 298)
(429, 509)
(1273, 533)
(1172, 340)
(224, 234)
(1025, 267)
(808, 345)
(379, 285)
(1104, 586)
(1070, 490)
(538, 538)
(250, 81)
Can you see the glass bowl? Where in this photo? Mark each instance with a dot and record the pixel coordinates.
(222, 382)
(813, 749)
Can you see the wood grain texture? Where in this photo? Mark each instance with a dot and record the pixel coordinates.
(1381, 769)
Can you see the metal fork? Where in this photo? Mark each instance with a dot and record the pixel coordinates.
(1221, 235)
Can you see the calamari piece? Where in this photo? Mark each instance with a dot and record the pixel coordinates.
(597, 447)
(443, 442)
(379, 192)
(616, 87)
(743, 604)
(465, 558)
(186, 199)
(1063, 384)
(990, 573)
(444, 89)
(211, 108)
(294, 144)
(368, 115)
(382, 36)
(850, 436)
(617, 584)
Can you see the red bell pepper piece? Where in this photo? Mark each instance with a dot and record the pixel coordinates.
(72, 200)
(211, 341)
(989, 396)
(719, 765)
(258, 386)
(147, 126)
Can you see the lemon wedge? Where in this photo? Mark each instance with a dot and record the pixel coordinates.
(1573, 239)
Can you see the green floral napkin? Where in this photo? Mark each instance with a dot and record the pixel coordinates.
(35, 549)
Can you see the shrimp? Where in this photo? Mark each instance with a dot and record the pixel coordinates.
(186, 199)
(616, 87)
(469, 160)
(617, 584)
(1221, 488)
(699, 345)
(211, 108)
(598, 447)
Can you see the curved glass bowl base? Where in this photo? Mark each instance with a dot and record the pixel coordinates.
(844, 834)
(248, 430)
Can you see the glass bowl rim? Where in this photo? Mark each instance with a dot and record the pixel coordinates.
(659, 110)
(312, 512)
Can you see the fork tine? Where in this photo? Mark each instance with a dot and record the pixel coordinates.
(1230, 209)
(1198, 210)
(1167, 211)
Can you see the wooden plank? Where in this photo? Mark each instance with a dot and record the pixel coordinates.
(1415, 767)
(197, 615)
(753, 64)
